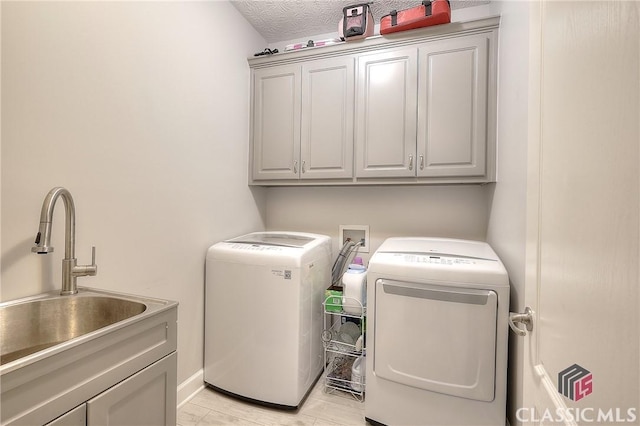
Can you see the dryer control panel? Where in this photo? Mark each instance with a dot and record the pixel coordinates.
(436, 260)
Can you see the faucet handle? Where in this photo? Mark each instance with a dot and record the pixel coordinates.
(84, 270)
(93, 268)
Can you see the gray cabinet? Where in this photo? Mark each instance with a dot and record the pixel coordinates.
(414, 108)
(453, 111)
(276, 122)
(302, 119)
(75, 417)
(122, 371)
(326, 150)
(386, 113)
(146, 398)
(423, 111)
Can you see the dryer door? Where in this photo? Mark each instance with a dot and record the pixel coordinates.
(436, 338)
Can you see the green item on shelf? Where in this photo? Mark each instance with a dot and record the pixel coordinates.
(333, 299)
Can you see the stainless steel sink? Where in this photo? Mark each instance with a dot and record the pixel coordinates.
(39, 326)
(35, 325)
(60, 351)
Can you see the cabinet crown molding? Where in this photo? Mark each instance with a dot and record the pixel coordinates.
(378, 42)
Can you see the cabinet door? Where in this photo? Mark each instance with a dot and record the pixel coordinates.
(327, 119)
(75, 417)
(276, 122)
(146, 398)
(452, 107)
(386, 114)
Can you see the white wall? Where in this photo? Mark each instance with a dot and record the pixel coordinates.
(141, 110)
(456, 211)
(506, 231)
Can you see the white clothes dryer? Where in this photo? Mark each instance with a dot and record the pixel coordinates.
(263, 315)
(437, 329)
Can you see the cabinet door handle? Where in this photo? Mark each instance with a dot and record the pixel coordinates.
(410, 161)
(304, 162)
(295, 167)
(421, 162)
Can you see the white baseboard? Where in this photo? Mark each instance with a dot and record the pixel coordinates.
(190, 387)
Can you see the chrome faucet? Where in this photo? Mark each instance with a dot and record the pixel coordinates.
(70, 268)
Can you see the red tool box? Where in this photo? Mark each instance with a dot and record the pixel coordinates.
(428, 13)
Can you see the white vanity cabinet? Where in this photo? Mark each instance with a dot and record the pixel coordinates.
(302, 117)
(423, 110)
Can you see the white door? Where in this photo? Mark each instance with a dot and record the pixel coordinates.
(582, 356)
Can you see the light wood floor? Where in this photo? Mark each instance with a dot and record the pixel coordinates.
(209, 407)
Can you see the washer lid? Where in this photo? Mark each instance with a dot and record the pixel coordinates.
(274, 239)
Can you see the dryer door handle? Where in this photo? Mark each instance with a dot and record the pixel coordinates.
(422, 291)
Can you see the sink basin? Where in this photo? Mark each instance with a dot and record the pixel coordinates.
(58, 352)
(35, 325)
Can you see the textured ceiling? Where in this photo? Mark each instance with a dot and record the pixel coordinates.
(284, 20)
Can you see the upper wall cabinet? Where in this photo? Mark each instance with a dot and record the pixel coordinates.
(303, 120)
(453, 108)
(386, 113)
(415, 108)
(276, 122)
(422, 111)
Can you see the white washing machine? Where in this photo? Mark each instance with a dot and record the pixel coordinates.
(263, 315)
(436, 333)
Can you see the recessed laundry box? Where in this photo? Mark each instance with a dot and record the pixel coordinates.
(263, 315)
(437, 333)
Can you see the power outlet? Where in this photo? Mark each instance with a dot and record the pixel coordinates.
(355, 233)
